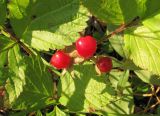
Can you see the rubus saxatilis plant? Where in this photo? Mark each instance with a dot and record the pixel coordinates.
(50, 51)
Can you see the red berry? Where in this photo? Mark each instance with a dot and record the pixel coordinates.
(86, 46)
(60, 60)
(104, 64)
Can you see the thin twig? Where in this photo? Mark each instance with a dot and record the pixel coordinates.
(145, 110)
(152, 106)
(153, 91)
(17, 40)
(25, 48)
(121, 29)
(143, 95)
(158, 88)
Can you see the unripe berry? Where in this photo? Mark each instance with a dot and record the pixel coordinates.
(60, 60)
(104, 64)
(86, 46)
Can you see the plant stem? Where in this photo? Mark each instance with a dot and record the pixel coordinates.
(143, 95)
(17, 40)
(152, 106)
(120, 29)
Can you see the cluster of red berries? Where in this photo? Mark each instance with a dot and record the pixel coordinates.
(86, 47)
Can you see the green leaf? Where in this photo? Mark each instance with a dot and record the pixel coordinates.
(21, 113)
(57, 112)
(15, 61)
(38, 113)
(5, 43)
(3, 76)
(143, 47)
(38, 89)
(123, 80)
(84, 90)
(151, 8)
(16, 73)
(124, 103)
(50, 24)
(148, 77)
(113, 11)
(18, 14)
(3, 11)
(116, 63)
(117, 43)
(120, 11)
(3, 57)
(152, 24)
(29, 85)
(5, 46)
(128, 64)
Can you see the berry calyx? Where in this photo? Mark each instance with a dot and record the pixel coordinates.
(104, 64)
(86, 46)
(2, 92)
(60, 60)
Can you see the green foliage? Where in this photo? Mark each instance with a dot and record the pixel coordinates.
(3, 12)
(123, 104)
(38, 86)
(123, 80)
(148, 77)
(3, 75)
(3, 57)
(16, 78)
(39, 113)
(32, 30)
(143, 48)
(57, 112)
(79, 88)
(83, 90)
(29, 85)
(117, 43)
(43, 24)
(120, 11)
(5, 43)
